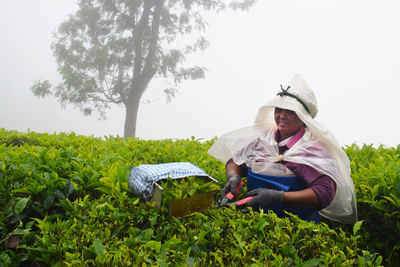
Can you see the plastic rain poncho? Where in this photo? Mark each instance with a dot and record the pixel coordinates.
(317, 148)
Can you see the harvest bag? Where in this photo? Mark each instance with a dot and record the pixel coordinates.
(281, 183)
(143, 178)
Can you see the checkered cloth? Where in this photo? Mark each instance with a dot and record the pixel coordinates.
(142, 178)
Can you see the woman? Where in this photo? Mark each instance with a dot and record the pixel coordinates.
(292, 163)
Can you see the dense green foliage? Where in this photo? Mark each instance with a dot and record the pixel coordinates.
(175, 189)
(65, 198)
(376, 174)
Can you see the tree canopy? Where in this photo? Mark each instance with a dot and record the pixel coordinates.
(109, 51)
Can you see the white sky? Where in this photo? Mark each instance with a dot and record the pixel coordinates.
(348, 51)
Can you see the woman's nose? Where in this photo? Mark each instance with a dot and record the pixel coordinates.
(283, 115)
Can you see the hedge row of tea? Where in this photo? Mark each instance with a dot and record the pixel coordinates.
(64, 201)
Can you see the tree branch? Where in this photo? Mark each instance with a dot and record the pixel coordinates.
(137, 34)
(149, 70)
(108, 97)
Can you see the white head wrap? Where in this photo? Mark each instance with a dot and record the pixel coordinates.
(298, 97)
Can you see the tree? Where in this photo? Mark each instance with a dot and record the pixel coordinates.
(109, 51)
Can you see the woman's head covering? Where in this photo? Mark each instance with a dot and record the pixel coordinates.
(296, 92)
(298, 97)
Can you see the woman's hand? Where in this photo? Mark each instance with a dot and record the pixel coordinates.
(233, 181)
(303, 199)
(264, 197)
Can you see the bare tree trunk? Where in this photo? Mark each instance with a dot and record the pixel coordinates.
(142, 74)
(131, 112)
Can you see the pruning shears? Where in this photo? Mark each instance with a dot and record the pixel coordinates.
(224, 201)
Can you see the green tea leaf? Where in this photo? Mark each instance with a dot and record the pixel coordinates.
(59, 194)
(98, 247)
(20, 205)
(357, 227)
(154, 245)
(48, 202)
(378, 261)
(310, 263)
(69, 188)
(162, 262)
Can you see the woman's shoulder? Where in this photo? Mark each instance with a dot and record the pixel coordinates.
(312, 143)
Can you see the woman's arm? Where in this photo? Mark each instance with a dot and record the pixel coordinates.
(234, 172)
(231, 168)
(306, 198)
(322, 187)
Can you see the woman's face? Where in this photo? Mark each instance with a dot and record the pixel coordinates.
(287, 121)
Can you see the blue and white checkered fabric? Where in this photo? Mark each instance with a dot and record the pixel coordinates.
(142, 178)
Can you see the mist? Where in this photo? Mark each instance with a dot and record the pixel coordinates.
(346, 50)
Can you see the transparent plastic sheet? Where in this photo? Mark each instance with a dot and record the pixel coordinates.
(318, 148)
(225, 146)
(260, 156)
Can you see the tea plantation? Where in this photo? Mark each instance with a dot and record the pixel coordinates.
(64, 202)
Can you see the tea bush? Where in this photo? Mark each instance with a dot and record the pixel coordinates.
(64, 199)
(376, 174)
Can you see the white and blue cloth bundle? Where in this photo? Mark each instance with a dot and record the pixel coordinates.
(143, 177)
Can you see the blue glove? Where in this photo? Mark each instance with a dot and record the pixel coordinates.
(233, 181)
(264, 197)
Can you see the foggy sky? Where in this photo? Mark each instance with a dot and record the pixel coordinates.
(348, 52)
